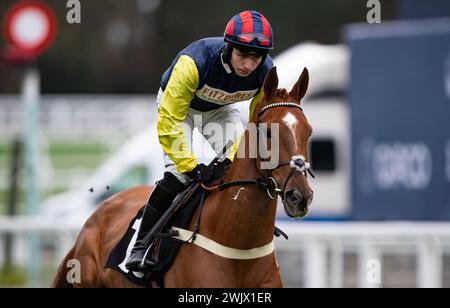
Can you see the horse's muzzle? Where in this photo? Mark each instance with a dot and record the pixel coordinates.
(296, 205)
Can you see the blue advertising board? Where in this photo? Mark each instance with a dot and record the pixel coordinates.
(400, 120)
(409, 9)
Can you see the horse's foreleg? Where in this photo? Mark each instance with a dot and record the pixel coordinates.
(89, 277)
(87, 254)
(273, 277)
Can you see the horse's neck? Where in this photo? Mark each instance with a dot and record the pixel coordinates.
(244, 215)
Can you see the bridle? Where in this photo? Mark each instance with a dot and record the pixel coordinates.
(297, 163)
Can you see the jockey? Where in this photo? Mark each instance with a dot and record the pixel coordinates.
(201, 85)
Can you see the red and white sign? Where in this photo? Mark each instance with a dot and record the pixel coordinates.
(30, 27)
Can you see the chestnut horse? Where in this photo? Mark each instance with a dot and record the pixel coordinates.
(241, 217)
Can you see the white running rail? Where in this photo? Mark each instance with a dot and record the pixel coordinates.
(322, 246)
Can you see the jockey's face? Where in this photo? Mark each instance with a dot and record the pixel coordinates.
(244, 63)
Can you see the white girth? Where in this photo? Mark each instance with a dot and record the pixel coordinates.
(223, 251)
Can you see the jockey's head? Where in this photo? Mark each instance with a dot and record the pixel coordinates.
(249, 38)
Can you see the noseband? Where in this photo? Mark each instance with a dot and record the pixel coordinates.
(297, 163)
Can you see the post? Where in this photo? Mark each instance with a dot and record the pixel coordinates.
(369, 265)
(12, 199)
(429, 263)
(316, 259)
(31, 95)
(337, 263)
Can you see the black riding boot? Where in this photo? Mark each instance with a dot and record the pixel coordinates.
(161, 198)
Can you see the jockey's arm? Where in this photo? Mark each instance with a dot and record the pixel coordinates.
(173, 110)
(252, 107)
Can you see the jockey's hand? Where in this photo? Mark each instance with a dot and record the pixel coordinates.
(220, 168)
(201, 173)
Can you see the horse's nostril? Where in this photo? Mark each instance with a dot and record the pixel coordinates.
(293, 197)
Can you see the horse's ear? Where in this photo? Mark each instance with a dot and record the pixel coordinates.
(299, 89)
(271, 83)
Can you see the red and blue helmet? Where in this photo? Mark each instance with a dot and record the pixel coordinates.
(250, 29)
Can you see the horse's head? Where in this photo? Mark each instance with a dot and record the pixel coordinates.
(281, 109)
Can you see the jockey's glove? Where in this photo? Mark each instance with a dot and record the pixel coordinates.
(201, 173)
(220, 168)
